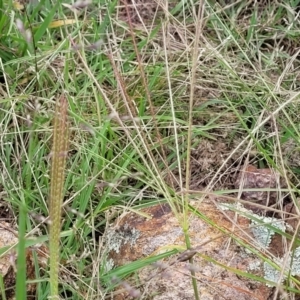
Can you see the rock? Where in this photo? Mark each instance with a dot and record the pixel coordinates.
(8, 261)
(134, 237)
(253, 178)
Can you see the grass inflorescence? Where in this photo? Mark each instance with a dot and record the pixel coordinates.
(57, 175)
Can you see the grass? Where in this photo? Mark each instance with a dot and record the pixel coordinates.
(157, 105)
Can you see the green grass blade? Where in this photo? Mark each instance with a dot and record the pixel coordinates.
(21, 260)
(44, 26)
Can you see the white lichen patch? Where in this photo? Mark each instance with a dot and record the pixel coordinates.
(294, 259)
(118, 237)
(109, 264)
(292, 266)
(262, 233)
(229, 206)
(237, 207)
(271, 274)
(263, 229)
(254, 265)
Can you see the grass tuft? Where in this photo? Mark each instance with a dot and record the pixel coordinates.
(167, 102)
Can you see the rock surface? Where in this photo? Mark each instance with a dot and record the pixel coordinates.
(254, 178)
(8, 261)
(217, 265)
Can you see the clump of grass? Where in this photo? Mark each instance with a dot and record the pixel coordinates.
(58, 154)
(144, 79)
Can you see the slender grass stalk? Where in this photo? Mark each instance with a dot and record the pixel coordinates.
(2, 288)
(189, 139)
(21, 260)
(147, 92)
(59, 153)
